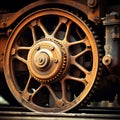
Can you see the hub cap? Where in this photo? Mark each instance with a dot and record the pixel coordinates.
(47, 60)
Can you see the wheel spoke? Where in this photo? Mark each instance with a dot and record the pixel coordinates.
(53, 94)
(36, 91)
(81, 68)
(20, 59)
(61, 20)
(85, 41)
(33, 33)
(76, 42)
(81, 53)
(81, 80)
(28, 82)
(58, 102)
(43, 28)
(23, 48)
(25, 94)
(64, 92)
(14, 53)
(29, 96)
(63, 89)
(67, 30)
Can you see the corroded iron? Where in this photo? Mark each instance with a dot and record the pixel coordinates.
(59, 55)
(58, 73)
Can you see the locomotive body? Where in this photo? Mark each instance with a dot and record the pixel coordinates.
(57, 56)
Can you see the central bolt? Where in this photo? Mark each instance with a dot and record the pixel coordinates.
(41, 59)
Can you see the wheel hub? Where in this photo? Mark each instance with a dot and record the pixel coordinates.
(47, 60)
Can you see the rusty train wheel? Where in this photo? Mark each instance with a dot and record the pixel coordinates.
(52, 61)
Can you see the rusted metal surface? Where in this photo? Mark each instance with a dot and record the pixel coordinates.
(46, 55)
(93, 13)
(3, 42)
(112, 45)
(52, 57)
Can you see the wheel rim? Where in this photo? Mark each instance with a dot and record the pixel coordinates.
(55, 61)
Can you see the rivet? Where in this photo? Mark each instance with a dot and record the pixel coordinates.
(55, 60)
(52, 48)
(38, 48)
